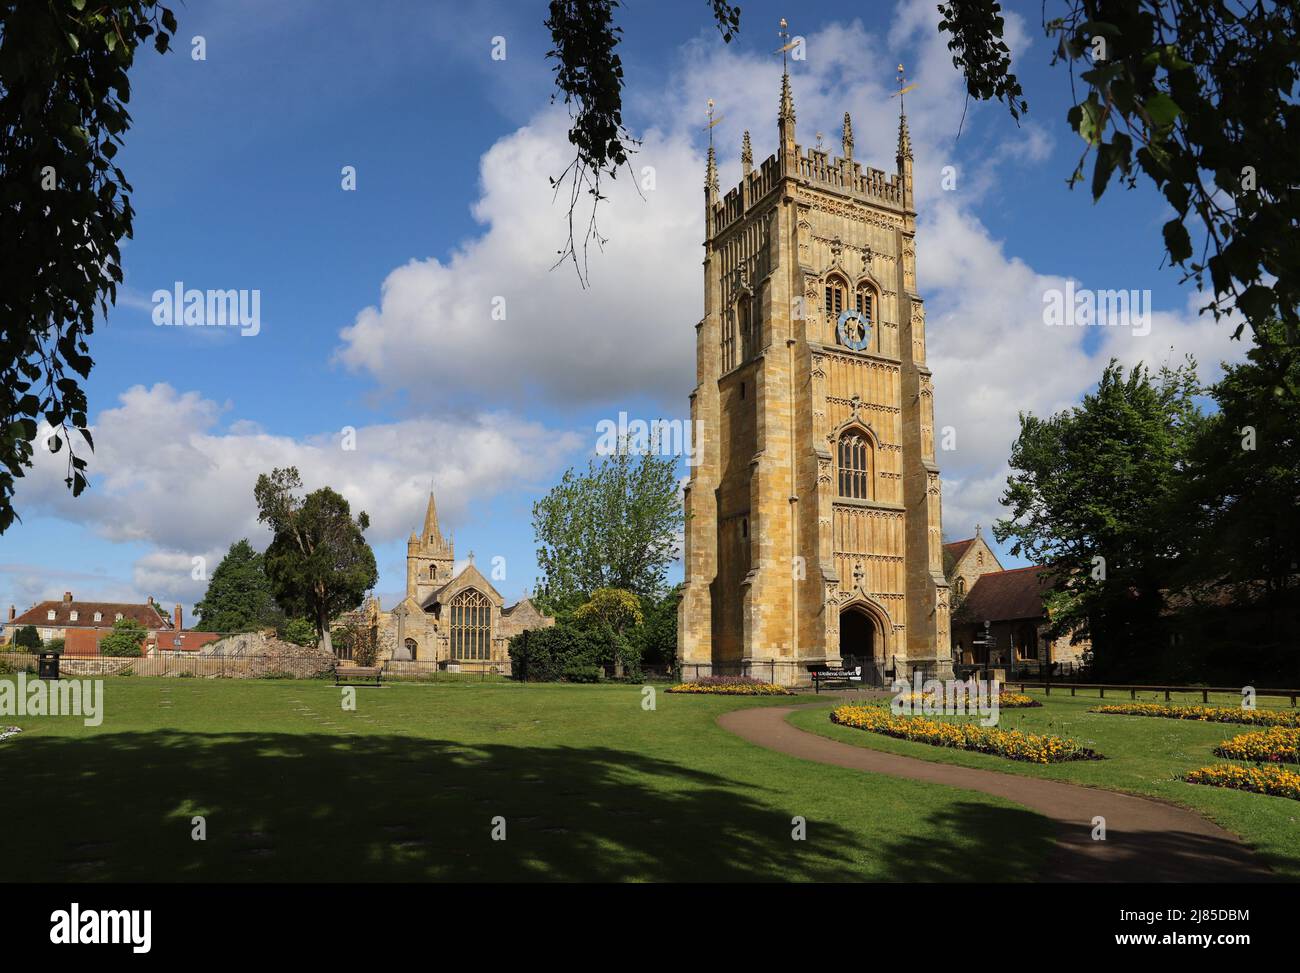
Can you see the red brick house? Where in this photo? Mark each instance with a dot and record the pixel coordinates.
(83, 624)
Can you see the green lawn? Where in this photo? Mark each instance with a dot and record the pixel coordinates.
(1145, 756)
(592, 787)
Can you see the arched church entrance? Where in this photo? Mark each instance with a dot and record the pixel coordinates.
(859, 636)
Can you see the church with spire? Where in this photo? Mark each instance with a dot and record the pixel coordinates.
(449, 618)
(813, 532)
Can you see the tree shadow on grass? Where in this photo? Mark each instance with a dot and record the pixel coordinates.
(1063, 854)
(321, 807)
(988, 833)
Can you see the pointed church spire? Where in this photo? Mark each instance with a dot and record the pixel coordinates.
(711, 169)
(904, 137)
(432, 534)
(787, 100)
(785, 119)
(847, 139)
(746, 155)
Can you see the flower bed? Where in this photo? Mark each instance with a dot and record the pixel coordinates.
(730, 689)
(1005, 700)
(1272, 780)
(1011, 744)
(8, 731)
(1278, 746)
(1208, 714)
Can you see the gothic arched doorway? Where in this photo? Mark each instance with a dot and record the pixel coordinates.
(859, 636)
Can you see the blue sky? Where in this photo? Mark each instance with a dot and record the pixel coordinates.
(375, 303)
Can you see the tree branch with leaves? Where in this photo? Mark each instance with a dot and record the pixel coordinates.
(589, 79)
(66, 206)
(1200, 98)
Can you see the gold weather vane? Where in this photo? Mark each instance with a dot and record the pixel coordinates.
(712, 121)
(789, 45)
(901, 82)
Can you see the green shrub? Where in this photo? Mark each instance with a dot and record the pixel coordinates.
(54, 645)
(125, 640)
(27, 638)
(543, 655)
(299, 631)
(357, 640)
(657, 636)
(582, 674)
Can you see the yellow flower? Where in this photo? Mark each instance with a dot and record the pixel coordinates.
(1276, 745)
(1209, 714)
(1268, 779)
(731, 689)
(1012, 744)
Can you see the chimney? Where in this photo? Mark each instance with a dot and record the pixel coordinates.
(176, 618)
(13, 613)
(151, 599)
(67, 597)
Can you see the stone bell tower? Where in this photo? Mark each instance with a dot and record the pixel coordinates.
(429, 558)
(812, 528)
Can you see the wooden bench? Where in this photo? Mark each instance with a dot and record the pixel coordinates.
(356, 674)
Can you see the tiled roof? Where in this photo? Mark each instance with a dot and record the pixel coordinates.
(958, 548)
(1004, 595)
(188, 641)
(150, 616)
(85, 642)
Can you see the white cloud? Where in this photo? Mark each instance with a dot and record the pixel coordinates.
(632, 333)
(165, 475)
(433, 334)
(173, 479)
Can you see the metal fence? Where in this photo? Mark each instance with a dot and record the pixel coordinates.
(876, 673)
(422, 670)
(271, 666)
(1133, 689)
(189, 665)
(1034, 669)
(249, 666)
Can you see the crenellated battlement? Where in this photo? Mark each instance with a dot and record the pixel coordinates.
(812, 167)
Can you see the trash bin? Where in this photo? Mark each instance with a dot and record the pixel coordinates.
(47, 665)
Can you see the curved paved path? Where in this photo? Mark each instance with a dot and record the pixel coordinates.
(1146, 840)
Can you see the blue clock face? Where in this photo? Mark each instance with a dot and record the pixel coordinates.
(854, 330)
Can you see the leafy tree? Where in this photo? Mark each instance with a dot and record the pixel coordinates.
(1199, 97)
(589, 76)
(616, 526)
(566, 651)
(239, 597)
(54, 645)
(63, 95)
(615, 607)
(1243, 487)
(656, 637)
(28, 638)
(299, 631)
(360, 639)
(1094, 495)
(125, 640)
(318, 562)
(616, 610)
